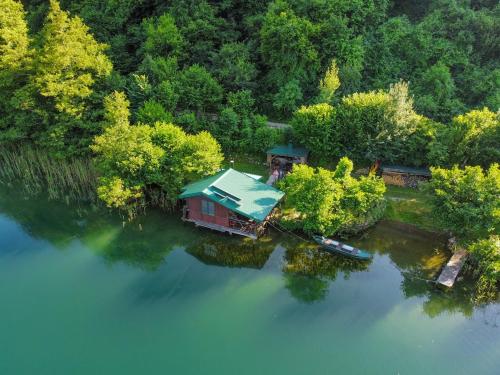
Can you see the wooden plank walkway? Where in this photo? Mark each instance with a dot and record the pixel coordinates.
(450, 271)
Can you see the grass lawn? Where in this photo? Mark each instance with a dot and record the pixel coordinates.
(406, 205)
(248, 164)
(409, 206)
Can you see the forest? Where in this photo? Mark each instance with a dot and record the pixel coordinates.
(225, 66)
(154, 93)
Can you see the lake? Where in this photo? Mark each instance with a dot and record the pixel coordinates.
(82, 292)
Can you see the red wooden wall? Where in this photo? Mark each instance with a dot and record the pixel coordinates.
(221, 213)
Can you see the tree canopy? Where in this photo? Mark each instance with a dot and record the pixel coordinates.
(331, 202)
(466, 200)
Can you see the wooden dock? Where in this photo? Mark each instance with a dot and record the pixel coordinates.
(222, 228)
(450, 271)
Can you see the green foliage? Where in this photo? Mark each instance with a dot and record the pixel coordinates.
(113, 192)
(152, 112)
(198, 90)
(288, 97)
(163, 37)
(329, 84)
(14, 40)
(437, 98)
(448, 56)
(116, 109)
(233, 67)
(326, 202)
(49, 94)
(466, 200)
(367, 127)
(15, 61)
(69, 61)
(471, 138)
(214, 66)
(142, 161)
(288, 51)
(485, 257)
(263, 139)
(312, 126)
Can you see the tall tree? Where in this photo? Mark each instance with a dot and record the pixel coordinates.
(14, 40)
(68, 62)
(329, 84)
(470, 139)
(466, 200)
(163, 37)
(287, 48)
(15, 58)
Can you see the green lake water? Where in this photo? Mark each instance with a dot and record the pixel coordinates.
(81, 293)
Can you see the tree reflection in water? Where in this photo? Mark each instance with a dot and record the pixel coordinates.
(308, 271)
(146, 242)
(143, 243)
(233, 251)
(419, 256)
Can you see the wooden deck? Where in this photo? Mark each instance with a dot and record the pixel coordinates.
(450, 271)
(221, 228)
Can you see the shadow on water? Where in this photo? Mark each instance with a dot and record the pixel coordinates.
(419, 256)
(143, 243)
(237, 252)
(308, 273)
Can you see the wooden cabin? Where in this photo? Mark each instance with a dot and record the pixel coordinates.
(404, 176)
(231, 202)
(281, 159)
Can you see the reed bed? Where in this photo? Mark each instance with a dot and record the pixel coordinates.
(36, 172)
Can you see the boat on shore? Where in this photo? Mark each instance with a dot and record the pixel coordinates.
(333, 246)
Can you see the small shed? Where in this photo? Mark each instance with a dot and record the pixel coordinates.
(404, 176)
(281, 159)
(230, 201)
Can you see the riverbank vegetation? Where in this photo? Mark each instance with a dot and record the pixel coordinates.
(331, 202)
(466, 203)
(34, 171)
(152, 162)
(133, 99)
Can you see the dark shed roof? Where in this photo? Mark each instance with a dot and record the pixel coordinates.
(406, 170)
(288, 150)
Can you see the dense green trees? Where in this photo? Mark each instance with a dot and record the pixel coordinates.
(448, 56)
(140, 162)
(466, 203)
(50, 94)
(179, 61)
(312, 127)
(471, 138)
(466, 200)
(330, 202)
(336, 68)
(14, 41)
(485, 257)
(376, 125)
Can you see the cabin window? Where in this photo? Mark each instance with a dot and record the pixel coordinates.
(207, 208)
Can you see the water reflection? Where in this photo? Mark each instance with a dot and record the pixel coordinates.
(419, 256)
(144, 243)
(307, 272)
(228, 251)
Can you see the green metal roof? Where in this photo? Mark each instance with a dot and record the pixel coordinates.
(237, 192)
(288, 150)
